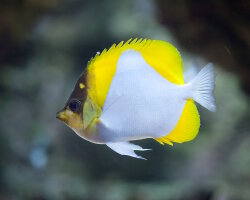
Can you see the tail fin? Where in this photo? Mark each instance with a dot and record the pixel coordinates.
(202, 87)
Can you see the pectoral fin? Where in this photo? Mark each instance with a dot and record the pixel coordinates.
(90, 112)
(126, 148)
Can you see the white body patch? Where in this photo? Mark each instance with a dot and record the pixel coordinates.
(140, 102)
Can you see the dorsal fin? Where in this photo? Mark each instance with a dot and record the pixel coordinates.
(160, 55)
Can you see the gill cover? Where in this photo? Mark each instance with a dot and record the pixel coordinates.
(91, 111)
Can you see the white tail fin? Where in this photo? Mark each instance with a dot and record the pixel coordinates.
(202, 87)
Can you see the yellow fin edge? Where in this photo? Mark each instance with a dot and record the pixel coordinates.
(187, 127)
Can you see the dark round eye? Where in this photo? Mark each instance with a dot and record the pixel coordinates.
(74, 105)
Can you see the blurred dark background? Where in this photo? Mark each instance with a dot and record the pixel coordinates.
(45, 45)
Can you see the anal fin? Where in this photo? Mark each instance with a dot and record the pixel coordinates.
(126, 148)
(187, 127)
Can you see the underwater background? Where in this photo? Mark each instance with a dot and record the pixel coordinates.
(44, 47)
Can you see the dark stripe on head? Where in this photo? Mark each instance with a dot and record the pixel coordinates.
(80, 92)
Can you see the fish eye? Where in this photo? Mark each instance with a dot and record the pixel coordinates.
(74, 105)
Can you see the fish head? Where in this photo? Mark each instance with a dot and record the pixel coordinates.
(72, 113)
(80, 110)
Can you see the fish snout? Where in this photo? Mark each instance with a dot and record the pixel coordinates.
(61, 115)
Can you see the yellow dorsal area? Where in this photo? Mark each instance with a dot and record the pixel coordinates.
(187, 127)
(160, 55)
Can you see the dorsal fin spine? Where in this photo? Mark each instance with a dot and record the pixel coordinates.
(139, 40)
(104, 52)
(127, 43)
(112, 47)
(133, 42)
(143, 43)
(120, 44)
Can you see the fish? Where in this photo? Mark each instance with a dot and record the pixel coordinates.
(135, 90)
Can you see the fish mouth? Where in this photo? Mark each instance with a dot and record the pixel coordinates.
(61, 115)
